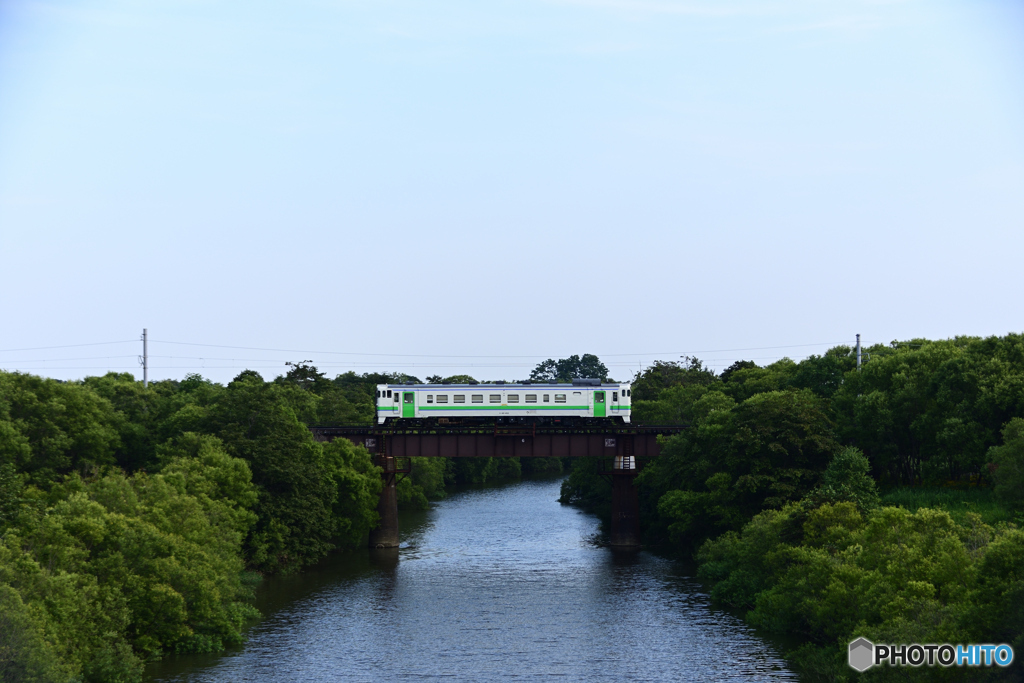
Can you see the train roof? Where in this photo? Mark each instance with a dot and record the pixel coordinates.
(517, 385)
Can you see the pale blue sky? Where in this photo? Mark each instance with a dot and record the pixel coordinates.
(454, 180)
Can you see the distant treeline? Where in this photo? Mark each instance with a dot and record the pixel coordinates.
(135, 522)
(775, 489)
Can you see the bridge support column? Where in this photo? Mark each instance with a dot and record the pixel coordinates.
(386, 534)
(625, 532)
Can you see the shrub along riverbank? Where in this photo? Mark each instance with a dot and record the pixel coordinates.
(136, 522)
(774, 489)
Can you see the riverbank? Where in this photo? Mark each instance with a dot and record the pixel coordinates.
(829, 499)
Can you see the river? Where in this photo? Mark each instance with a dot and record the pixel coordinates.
(490, 584)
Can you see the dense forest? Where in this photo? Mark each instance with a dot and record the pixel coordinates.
(136, 522)
(827, 503)
(821, 500)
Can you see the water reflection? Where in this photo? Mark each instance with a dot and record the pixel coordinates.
(490, 584)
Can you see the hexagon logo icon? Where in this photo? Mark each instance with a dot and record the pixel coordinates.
(862, 654)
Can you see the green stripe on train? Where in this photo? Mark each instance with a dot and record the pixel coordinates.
(528, 406)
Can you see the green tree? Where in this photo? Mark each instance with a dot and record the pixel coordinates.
(930, 410)
(334, 404)
(66, 426)
(747, 381)
(260, 423)
(10, 495)
(453, 379)
(847, 479)
(727, 374)
(481, 470)
(587, 488)
(25, 654)
(137, 410)
(825, 576)
(312, 498)
(736, 461)
(587, 366)
(1008, 464)
(995, 607)
(824, 374)
(304, 375)
(356, 485)
(662, 375)
(128, 513)
(426, 481)
(83, 621)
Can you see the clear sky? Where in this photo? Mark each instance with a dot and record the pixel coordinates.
(443, 183)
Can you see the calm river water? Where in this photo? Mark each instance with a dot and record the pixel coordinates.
(490, 584)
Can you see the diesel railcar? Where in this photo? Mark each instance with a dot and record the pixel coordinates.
(582, 402)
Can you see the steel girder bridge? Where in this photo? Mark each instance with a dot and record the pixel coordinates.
(623, 447)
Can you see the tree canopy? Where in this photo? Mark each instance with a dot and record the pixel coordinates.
(587, 366)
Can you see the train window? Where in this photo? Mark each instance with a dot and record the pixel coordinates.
(513, 398)
(389, 393)
(460, 398)
(495, 398)
(615, 396)
(478, 398)
(396, 396)
(559, 398)
(441, 398)
(430, 398)
(531, 398)
(547, 398)
(408, 396)
(598, 397)
(378, 393)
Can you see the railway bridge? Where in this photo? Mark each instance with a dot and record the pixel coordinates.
(623, 447)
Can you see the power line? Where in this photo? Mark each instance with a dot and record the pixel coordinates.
(360, 363)
(67, 346)
(342, 363)
(84, 367)
(279, 366)
(337, 353)
(710, 363)
(422, 355)
(714, 363)
(753, 348)
(50, 360)
(415, 355)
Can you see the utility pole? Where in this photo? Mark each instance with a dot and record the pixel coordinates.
(145, 357)
(858, 353)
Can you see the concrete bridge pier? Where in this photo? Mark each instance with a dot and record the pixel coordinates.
(625, 531)
(386, 534)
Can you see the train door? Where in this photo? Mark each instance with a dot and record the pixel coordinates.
(409, 404)
(599, 405)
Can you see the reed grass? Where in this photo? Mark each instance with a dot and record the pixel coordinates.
(957, 502)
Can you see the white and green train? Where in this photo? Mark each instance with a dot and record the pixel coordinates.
(582, 402)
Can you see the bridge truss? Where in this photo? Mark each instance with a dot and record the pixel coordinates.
(622, 446)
